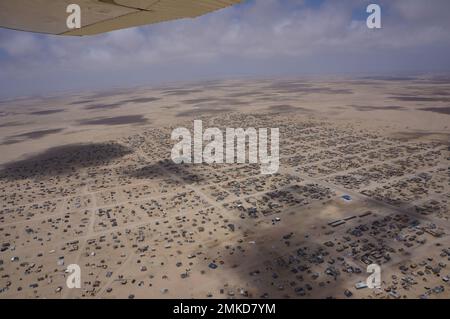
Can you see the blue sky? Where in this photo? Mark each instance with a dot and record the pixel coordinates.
(258, 38)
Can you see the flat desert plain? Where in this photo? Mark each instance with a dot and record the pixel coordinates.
(364, 179)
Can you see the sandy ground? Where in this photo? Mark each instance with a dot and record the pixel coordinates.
(406, 106)
(87, 179)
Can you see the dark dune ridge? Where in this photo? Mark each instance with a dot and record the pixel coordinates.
(203, 111)
(30, 135)
(47, 112)
(181, 92)
(13, 123)
(37, 134)
(441, 92)
(117, 120)
(234, 102)
(10, 142)
(363, 108)
(141, 100)
(82, 102)
(100, 95)
(441, 110)
(200, 100)
(285, 108)
(273, 99)
(103, 106)
(245, 94)
(420, 99)
(109, 93)
(113, 105)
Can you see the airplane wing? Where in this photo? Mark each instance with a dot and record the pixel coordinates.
(98, 16)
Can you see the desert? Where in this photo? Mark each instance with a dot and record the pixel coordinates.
(364, 178)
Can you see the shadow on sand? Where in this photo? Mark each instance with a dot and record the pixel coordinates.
(62, 160)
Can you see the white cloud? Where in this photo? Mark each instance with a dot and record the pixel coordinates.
(284, 34)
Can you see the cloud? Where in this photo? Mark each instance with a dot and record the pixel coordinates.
(256, 38)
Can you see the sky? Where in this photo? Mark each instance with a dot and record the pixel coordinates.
(258, 38)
